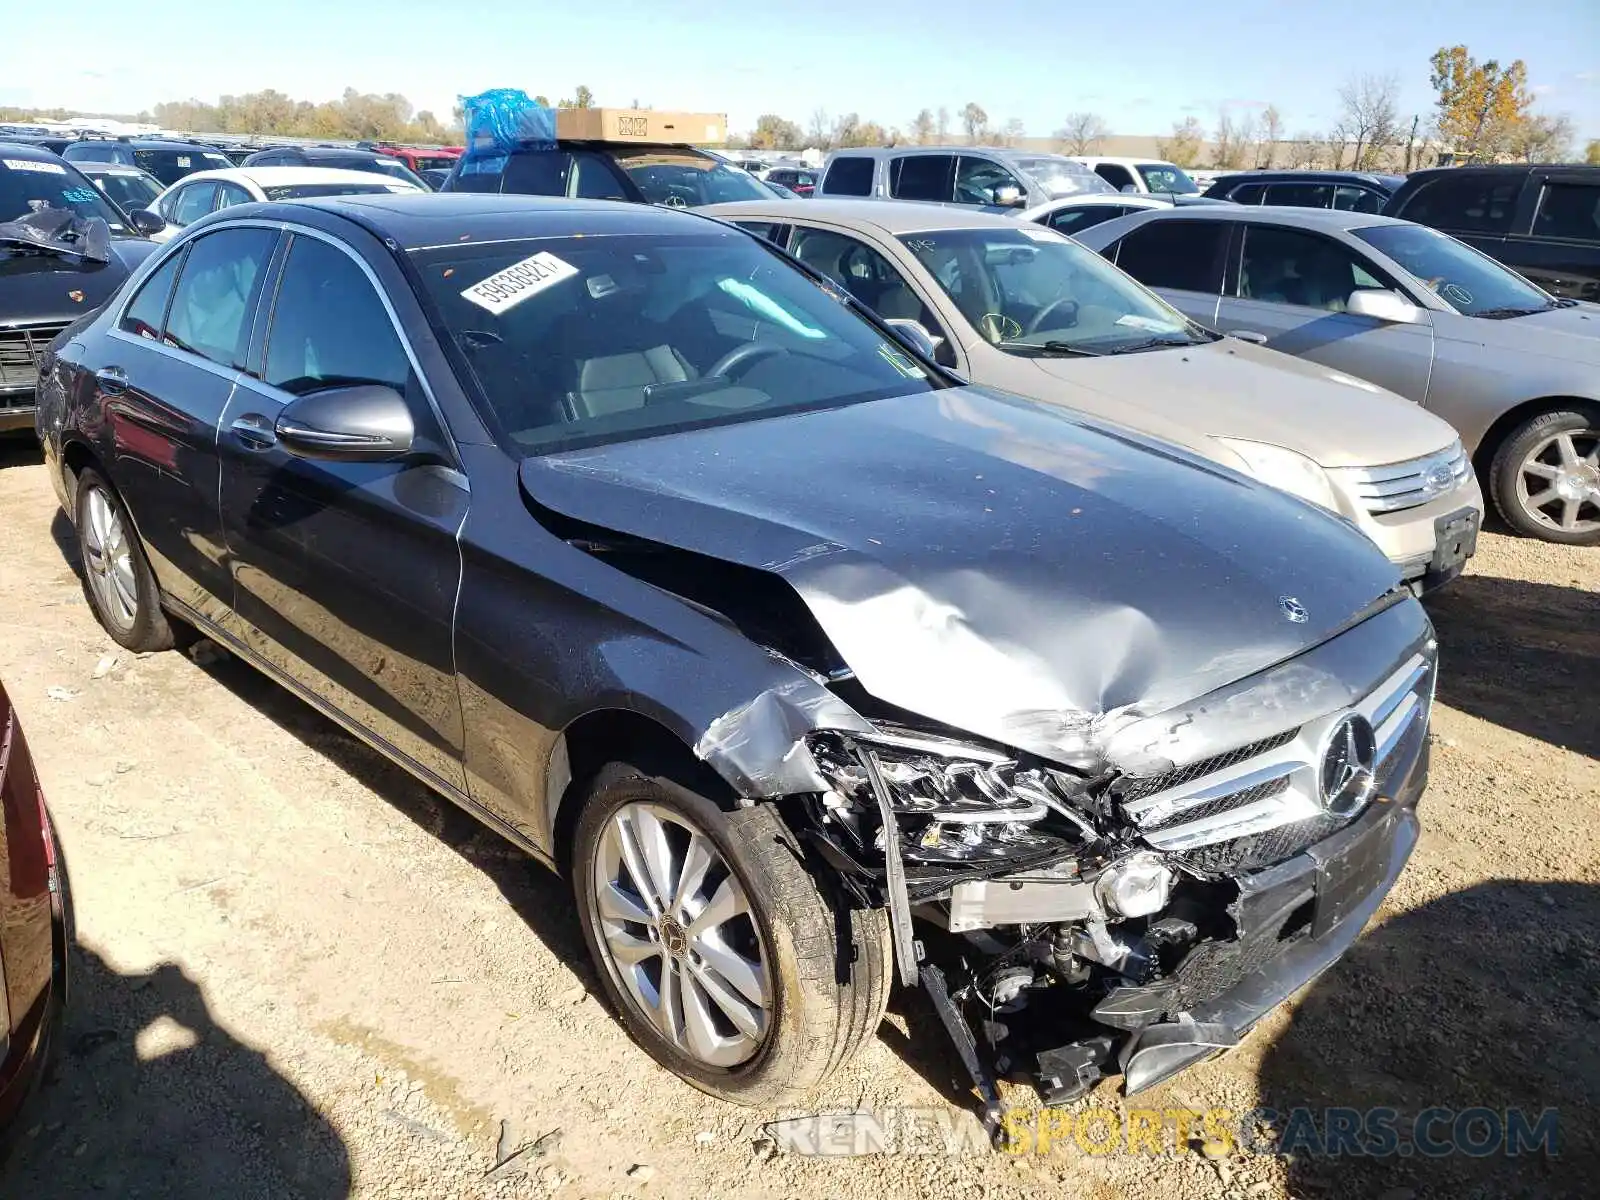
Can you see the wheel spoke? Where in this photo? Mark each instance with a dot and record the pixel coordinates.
(697, 860)
(1569, 513)
(633, 860)
(121, 577)
(1568, 451)
(629, 950)
(617, 905)
(748, 1018)
(1540, 499)
(97, 520)
(724, 905)
(656, 853)
(731, 968)
(669, 1001)
(1542, 469)
(699, 1030)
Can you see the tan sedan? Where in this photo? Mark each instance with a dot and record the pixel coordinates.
(1016, 306)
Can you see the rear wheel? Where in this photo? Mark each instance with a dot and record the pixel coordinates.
(1545, 478)
(122, 589)
(733, 965)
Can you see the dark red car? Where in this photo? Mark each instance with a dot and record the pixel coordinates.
(35, 927)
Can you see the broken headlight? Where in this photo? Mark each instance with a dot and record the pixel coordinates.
(954, 802)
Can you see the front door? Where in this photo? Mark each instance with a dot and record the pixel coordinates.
(1293, 285)
(346, 573)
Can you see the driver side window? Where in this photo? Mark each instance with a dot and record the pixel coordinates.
(979, 179)
(1288, 266)
(867, 275)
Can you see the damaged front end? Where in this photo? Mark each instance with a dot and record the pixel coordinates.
(1068, 928)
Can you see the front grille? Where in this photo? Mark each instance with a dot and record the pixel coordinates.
(1130, 791)
(1270, 846)
(1222, 804)
(20, 352)
(1212, 968)
(1403, 485)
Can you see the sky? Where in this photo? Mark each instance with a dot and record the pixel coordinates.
(1140, 65)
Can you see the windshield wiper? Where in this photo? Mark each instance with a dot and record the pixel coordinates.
(1154, 343)
(1500, 314)
(1054, 349)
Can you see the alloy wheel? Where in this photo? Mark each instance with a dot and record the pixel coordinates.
(108, 559)
(1558, 483)
(680, 933)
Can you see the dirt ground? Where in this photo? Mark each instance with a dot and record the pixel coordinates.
(300, 974)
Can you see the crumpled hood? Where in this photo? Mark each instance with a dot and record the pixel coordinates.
(57, 287)
(993, 563)
(1233, 389)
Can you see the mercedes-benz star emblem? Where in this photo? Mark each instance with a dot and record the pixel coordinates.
(1293, 609)
(1348, 778)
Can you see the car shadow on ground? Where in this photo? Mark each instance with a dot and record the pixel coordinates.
(1486, 999)
(153, 1098)
(21, 451)
(1525, 656)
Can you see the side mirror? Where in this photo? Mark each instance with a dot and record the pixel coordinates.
(1131, 188)
(1382, 305)
(915, 335)
(1009, 196)
(147, 221)
(367, 422)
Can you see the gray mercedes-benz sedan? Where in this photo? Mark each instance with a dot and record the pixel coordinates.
(1514, 369)
(813, 669)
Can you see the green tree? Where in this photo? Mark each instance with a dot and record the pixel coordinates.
(1591, 154)
(1183, 147)
(773, 132)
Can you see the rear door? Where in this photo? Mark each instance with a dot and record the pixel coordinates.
(168, 373)
(345, 572)
(1293, 285)
(1561, 250)
(1183, 260)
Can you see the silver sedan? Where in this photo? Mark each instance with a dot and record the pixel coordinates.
(1514, 369)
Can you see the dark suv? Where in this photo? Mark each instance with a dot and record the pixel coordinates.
(800, 182)
(168, 160)
(674, 176)
(1357, 191)
(1542, 221)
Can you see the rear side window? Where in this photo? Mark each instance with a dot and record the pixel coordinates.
(193, 202)
(1176, 254)
(1569, 210)
(1076, 220)
(1357, 199)
(1117, 176)
(145, 314)
(775, 233)
(922, 177)
(849, 176)
(216, 293)
(329, 329)
(1300, 195)
(1248, 193)
(1467, 201)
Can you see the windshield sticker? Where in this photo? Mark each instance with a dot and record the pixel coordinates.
(27, 164)
(1148, 324)
(79, 196)
(921, 245)
(184, 160)
(1040, 234)
(508, 288)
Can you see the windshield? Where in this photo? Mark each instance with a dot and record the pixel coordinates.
(169, 166)
(28, 186)
(128, 189)
(304, 191)
(1062, 176)
(1031, 291)
(600, 338)
(1164, 177)
(1471, 283)
(681, 179)
(385, 165)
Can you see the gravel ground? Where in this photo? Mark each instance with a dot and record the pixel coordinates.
(300, 974)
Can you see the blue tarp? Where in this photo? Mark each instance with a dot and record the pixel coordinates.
(501, 120)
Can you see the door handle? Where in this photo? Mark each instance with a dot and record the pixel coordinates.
(1249, 335)
(254, 432)
(113, 380)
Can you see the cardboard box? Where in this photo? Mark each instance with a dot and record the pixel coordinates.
(642, 125)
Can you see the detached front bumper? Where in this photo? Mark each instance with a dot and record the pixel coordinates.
(1314, 905)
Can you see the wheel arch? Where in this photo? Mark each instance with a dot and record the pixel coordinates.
(1509, 421)
(605, 735)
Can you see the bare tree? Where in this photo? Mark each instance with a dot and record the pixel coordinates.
(1271, 135)
(1229, 153)
(1013, 132)
(922, 127)
(1082, 133)
(941, 127)
(1183, 147)
(976, 122)
(817, 133)
(1369, 117)
(1542, 138)
(1245, 133)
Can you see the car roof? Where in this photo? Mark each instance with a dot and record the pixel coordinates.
(1503, 169)
(420, 220)
(30, 151)
(1272, 175)
(891, 216)
(1324, 218)
(266, 177)
(148, 143)
(1123, 160)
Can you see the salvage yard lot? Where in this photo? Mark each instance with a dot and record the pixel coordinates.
(299, 973)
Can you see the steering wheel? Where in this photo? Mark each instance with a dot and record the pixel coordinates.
(1066, 304)
(740, 356)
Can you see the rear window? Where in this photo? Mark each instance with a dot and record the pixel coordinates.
(169, 166)
(1468, 201)
(849, 176)
(1176, 254)
(685, 179)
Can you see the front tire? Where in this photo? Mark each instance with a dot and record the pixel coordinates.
(731, 963)
(122, 588)
(1545, 477)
